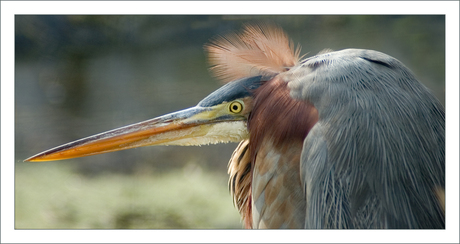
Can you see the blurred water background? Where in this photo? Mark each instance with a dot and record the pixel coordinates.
(76, 76)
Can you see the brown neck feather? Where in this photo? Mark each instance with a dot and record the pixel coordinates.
(278, 117)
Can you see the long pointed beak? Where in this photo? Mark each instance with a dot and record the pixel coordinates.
(193, 126)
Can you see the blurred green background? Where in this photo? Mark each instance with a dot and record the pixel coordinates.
(76, 76)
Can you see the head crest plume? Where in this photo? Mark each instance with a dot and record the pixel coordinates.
(258, 50)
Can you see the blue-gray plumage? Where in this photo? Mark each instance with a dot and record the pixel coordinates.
(376, 156)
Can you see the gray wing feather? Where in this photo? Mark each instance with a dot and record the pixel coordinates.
(377, 154)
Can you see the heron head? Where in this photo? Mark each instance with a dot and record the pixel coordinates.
(220, 117)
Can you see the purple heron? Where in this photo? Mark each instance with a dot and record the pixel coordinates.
(344, 139)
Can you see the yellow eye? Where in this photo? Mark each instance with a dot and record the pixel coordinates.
(235, 107)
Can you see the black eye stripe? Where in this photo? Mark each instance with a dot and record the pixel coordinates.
(233, 90)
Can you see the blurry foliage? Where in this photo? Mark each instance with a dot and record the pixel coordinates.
(80, 75)
(51, 196)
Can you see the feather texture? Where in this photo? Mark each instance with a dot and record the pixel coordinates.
(376, 156)
(240, 171)
(258, 50)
